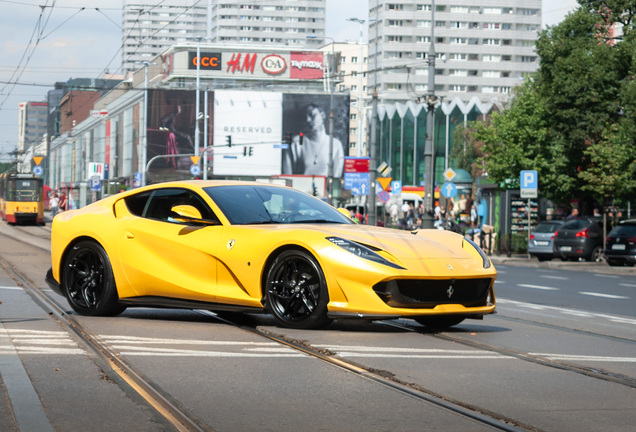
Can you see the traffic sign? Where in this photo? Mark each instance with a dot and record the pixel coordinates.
(38, 170)
(384, 196)
(449, 174)
(529, 183)
(449, 189)
(96, 183)
(195, 170)
(396, 187)
(384, 182)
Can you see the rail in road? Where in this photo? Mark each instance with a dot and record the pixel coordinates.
(182, 420)
(114, 354)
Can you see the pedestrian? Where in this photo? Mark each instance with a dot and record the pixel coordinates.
(62, 203)
(574, 214)
(53, 203)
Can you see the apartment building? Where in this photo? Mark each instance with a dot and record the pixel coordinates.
(482, 49)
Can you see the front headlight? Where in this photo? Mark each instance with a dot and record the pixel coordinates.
(484, 257)
(362, 251)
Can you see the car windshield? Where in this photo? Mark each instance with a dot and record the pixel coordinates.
(547, 227)
(246, 205)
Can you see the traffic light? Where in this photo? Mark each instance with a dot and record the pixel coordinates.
(300, 138)
(287, 138)
(251, 150)
(245, 151)
(228, 140)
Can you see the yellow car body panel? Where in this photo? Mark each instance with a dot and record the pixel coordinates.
(228, 264)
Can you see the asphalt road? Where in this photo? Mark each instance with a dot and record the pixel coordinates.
(558, 356)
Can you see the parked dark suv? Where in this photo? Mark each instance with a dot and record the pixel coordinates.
(578, 239)
(620, 244)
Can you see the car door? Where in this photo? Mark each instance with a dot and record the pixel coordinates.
(166, 258)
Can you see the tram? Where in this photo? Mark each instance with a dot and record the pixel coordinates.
(21, 198)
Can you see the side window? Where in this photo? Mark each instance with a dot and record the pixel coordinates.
(137, 203)
(162, 201)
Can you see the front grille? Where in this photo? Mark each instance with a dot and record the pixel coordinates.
(428, 293)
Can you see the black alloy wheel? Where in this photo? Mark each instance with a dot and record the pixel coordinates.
(87, 278)
(440, 322)
(296, 291)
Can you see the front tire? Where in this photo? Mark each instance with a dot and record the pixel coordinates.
(88, 281)
(296, 291)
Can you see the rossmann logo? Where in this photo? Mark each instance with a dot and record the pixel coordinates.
(273, 64)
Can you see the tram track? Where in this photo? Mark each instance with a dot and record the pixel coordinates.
(595, 373)
(131, 380)
(111, 362)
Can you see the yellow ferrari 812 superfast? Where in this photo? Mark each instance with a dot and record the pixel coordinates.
(254, 247)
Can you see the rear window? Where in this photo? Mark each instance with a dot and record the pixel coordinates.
(547, 227)
(624, 231)
(576, 224)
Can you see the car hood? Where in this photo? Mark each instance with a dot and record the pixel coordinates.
(420, 244)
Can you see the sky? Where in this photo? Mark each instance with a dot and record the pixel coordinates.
(82, 38)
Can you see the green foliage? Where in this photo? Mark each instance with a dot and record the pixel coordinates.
(6, 166)
(574, 121)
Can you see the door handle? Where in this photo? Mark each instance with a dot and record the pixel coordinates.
(129, 235)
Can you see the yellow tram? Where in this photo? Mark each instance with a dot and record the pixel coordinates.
(21, 198)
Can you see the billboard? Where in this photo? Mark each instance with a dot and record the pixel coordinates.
(251, 122)
(309, 114)
(171, 127)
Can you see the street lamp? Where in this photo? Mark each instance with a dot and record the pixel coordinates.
(331, 116)
(144, 141)
(360, 100)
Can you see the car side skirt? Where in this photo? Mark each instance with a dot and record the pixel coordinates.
(174, 303)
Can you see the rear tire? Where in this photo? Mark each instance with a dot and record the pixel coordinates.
(88, 281)
(597, 255)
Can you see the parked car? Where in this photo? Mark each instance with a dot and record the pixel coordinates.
(541, 239)
(579, 239)
(620, 244)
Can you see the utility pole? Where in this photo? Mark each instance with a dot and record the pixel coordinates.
(428, 218)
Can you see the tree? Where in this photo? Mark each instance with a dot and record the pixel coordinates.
(574, 120)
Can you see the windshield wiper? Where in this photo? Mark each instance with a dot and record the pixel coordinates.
(314, 221)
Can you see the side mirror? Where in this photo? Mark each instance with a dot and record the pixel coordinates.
(185, 212)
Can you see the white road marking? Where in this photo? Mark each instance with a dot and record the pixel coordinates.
(606, 276)
(609, 296)
(577, 357)
(628, 285)
(14, 288)
(497, 281)
(541, 287)
(523, 305)
(38, 342)
(554, 277)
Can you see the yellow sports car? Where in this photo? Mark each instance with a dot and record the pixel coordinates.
(254, 247)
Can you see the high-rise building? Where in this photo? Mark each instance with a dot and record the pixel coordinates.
(32, 117)
(483, 49)
(149, 28)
